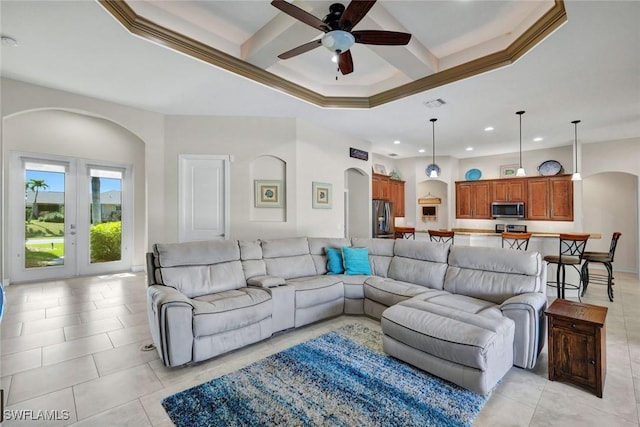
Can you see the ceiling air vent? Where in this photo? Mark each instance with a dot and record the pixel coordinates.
(435, 103)
(393, 155)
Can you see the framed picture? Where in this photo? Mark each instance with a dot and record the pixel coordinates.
(268, 194)
(508, 171)
(321, 195)
(378, 168)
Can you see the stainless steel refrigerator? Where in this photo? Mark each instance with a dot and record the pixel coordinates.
(383, 219)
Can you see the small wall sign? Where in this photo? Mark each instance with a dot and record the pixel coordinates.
(358, 154)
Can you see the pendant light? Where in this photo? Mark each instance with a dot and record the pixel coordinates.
(434, 171)
(576, 175)
(520, 171)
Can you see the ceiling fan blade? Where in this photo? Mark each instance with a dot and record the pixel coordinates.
(301, 49)
(345, 62)
(391, 38)
(354, 13)
(300, 15)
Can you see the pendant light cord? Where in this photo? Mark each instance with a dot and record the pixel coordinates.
(575, 127)
(520, 113)
(433, 139)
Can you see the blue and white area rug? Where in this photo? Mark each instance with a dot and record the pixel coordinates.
(338, 379)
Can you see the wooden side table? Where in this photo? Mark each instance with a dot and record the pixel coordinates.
(577, 344)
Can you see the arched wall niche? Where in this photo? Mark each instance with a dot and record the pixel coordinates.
(268, 172)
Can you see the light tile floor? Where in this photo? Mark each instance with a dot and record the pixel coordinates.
(74, 345)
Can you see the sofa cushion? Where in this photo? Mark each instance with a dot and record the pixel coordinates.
(388, 292)
(356, 261)
(288, 258)
(196, 280)
(421, 262)
(315, 290)
(492, 274)
(449, 334)
(229, 310)
(196, 253)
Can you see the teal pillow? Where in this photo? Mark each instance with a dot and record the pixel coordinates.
(334, 261)
(356, 260)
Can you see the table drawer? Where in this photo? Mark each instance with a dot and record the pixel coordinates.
(574, 325)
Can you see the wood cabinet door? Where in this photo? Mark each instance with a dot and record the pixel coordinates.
(463, 200)
(482, 200)
(473, 200)
(574, 356)
(380, 188)
(397, 197)
(561, 198)
(538, 199)
(509, 190)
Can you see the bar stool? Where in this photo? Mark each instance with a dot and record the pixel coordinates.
(519, 241)
(605, 258)
(571, 250)
(441, 236)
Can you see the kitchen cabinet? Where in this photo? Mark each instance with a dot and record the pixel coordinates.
(473, 199)
(577, 344)
(397, 197)
(510, 190)
(380, 187)
(550, 198)
(385, 188)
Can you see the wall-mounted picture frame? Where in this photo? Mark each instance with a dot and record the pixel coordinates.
(508, 171)
(268, 193)
(379, 168)
(322, 194)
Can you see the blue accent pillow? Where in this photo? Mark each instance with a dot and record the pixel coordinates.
(356, 260)
(334, 261)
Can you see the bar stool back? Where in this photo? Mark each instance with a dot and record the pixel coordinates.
(441, 236)
(572, 247)
(519, 241)
(605, 258)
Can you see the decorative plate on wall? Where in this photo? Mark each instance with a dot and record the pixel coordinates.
(473, 175)
(432, 167)
(550, 167)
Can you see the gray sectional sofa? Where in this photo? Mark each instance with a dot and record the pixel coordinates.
(466, 314)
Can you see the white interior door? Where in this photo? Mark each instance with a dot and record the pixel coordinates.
(203, 198)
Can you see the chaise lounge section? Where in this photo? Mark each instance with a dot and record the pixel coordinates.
(463, 313)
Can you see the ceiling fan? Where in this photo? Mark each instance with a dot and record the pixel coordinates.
(337, 26)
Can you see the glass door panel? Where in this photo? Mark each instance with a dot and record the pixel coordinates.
(105, 212)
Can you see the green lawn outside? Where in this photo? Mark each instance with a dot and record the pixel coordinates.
(41, 229)
(42, 254)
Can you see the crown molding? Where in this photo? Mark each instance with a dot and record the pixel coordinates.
(140, 26)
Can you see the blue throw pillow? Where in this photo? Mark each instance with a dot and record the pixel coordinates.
(356, 260)
(334, 261)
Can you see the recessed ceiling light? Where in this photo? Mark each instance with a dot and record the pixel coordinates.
(9, 41)
(422, 150)
(396, 142)
(538, 139)
(469, 149)
(488, 129)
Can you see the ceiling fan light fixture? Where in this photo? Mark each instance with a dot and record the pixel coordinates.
(338, 41)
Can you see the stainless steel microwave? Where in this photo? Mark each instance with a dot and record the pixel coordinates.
(507, 209)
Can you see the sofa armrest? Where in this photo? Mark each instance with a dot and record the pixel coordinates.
(527, 312)
(266, 281)
(170, 315)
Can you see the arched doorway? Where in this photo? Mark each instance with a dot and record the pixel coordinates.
(357, 203)
(86, 165)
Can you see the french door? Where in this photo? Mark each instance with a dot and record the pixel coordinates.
(68, 217)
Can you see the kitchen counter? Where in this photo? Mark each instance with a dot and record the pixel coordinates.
(490, 232)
